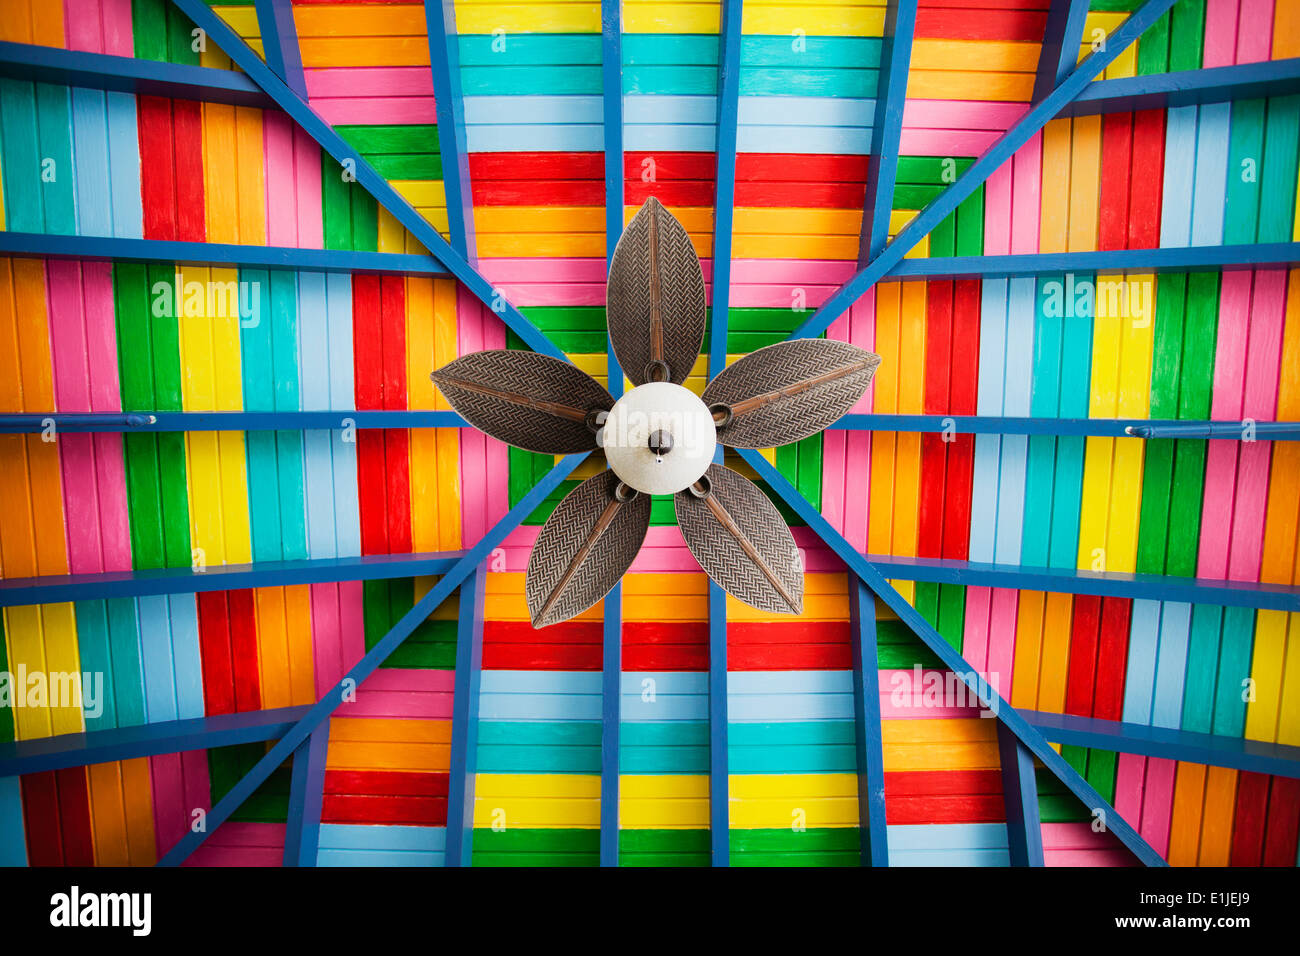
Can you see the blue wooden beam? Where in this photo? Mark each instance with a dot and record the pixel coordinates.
(887, 127)
(127, 743)
(459, 848)
(1020, 795)
(611, 668)
(719, 714)
(73, 423)
(124, 74)
(873, 834)
(1232, 431)
(323, 708)
(874, 579)
(54, 588)
(1093, 427)
(1062, 38)
(1002, 150)
(1217, 84)
(366, 176)
(280, 43)
(1214, 750)
(259, 257)
(1177, 259)
(306, 795)
(449, 101)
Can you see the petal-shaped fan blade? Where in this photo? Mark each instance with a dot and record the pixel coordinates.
(655, 298)
(583, 549)
(525, 399)
(741, 541)
(788, 391)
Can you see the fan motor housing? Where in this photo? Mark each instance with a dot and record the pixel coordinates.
(659, 438)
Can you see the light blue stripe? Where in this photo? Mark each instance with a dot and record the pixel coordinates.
(124, 166)
(1171, 665)
(1180, 177)
(184, 616)
(1211, 174)
(516, 139)
(347, 836)
(156, 656)
(90, 147)
(946, 836)
(1140, 673)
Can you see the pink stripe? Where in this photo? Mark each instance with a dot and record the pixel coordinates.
(82, 27)
(242, 844)
(975, 636)
(473, 444)
(1119, 857)
(946, 142)
(1221, 458)
(405, 110)
(403, 692)
(1026, 194)
(118, 38)
(1003, 610)
(351, 622)
(857, 449)
(997, 211)
(281, 196)
(924, 693)
(1128, 786)
(1220, 33)
(1076, 836)
(327, 637)
(1263, 365)
(369, 81)
(961, 115)
(1158, 803)
(1255, 41)
(307, 173)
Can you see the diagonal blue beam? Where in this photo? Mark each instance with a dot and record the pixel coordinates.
(727, 125)
(1216, 84)
(306, 795)
(873, 833)
(1020, 796)
(1002, 150)
(366, 176)
(1094, 427)
(280, 42)
(1168, 259)
(453, 147)
(887, 127)
(1062, 37)
(1016, 723)
(323, 708)
(463, 764)
(611, 666)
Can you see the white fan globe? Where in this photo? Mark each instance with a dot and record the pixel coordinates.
(659, 438)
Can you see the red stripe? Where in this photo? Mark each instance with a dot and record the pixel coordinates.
(74, 817)
(963, 388)
(385, 796)
(368, 367)
(507, 167)
(1021, 26)
(397, 459)
(1283, 826)
(188, 131)
(1116, 166)
(243, 647)
(802, 645)
(944, 796)
(1248, 819)
(934, 449)
(515, 645)
(1082, 668)
(158, 188)
(41, 819)
(659, 646)
(214, 647)
(398, 783)
(1112, 658)
(1145, 200)
(526, 192)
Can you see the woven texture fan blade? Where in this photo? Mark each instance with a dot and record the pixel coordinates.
(741, 542)
(655, 297)
(583, 549)
(790, 390)
(525, 399)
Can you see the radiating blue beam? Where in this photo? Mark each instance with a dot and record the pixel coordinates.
(464, 721)
(323, 708)
(1214, 750)
(280, 42)
(719, 714)
(53, 588)
(1094, 427)
(1156, 587)
(887, 127)
(73, 423)
(146, 740)
(124, 74)
(1216, 84)
(259, 257)
(453, 147)
(611, 666)
(874, 579)
(872, 833)
(306, 796)
(1062, 37)
(1002, 150)
(1176, 259)
(366, 176)
(1020, 795)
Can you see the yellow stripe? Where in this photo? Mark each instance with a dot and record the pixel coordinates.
(1288, 722)
(1266, 669)
(825, 18)
(42, 640)
(582, 16)
(664, 801)
(537, 800)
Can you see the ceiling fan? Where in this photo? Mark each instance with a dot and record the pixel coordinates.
(660, 438)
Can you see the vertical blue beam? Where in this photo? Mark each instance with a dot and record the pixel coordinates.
(1024, 831)
(280, 42)
(464, 721)
(444, 63)
(306, 794)
(1061, 41)
(611, 75)
(887, 127)
(869, 736)
(724, 206)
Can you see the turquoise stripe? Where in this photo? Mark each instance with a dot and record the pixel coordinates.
(1202, 666)
(539, 747)
(20, 157)
(1235, 651)
(1245, 156)
(13, 838)
(128, 671)
(54, 122)
(795, 747)
(1067, 496)
(96, 659)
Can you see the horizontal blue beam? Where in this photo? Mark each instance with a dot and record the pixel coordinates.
(1093, 427)
(253, 257)
(1211, 749)
(124, 74)
(1153, 587)
(54, 588)
(1217, 84)
(1176, 259)
(127, 743)
(226, 421)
